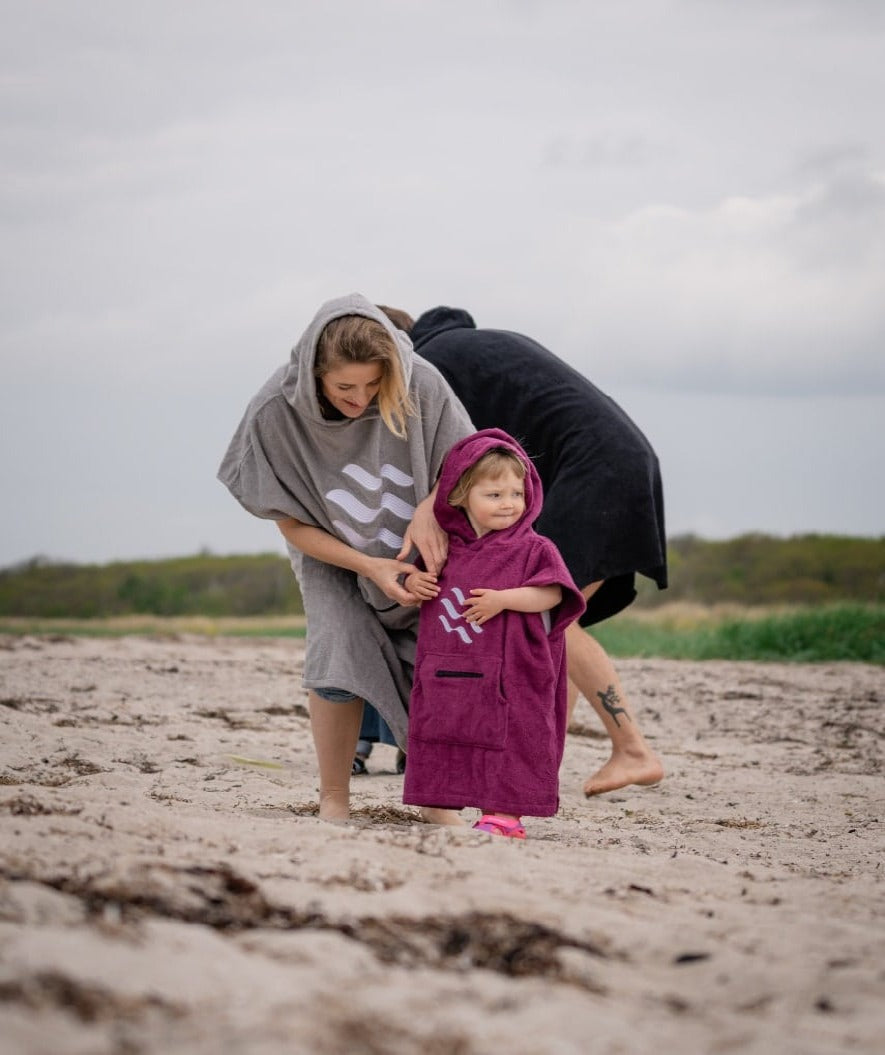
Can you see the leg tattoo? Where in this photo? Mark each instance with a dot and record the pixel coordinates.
(610, 699)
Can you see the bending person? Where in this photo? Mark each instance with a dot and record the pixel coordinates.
(339, 448)
(603, 505)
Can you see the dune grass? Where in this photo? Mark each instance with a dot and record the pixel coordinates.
(803, 635)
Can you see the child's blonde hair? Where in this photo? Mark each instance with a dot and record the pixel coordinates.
(359, 339)
(491, 466)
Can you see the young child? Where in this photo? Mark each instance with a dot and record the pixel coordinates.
(487, 715)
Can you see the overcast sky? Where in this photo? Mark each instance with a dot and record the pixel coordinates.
(685, 199)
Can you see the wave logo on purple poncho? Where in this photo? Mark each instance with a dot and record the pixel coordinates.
(454, 614)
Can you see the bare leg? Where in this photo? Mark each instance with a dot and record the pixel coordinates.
(336, 729)
(572, 700)
(632, 761)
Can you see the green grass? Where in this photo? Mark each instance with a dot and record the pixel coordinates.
(806, 635)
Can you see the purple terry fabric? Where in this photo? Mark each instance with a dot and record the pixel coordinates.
(487, 715)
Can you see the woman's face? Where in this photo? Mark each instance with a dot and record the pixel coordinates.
(351, 387)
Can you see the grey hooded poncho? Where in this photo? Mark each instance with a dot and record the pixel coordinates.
(353, 478)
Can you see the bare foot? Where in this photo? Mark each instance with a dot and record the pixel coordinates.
(623, 769)
(334, 806)
(434, 815)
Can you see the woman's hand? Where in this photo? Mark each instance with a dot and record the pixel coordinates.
(385, 574)
(425, 535)
(382, 571)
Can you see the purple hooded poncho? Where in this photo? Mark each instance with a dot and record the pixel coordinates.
(487, 716)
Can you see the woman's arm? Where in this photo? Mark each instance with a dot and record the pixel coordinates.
(425, 535)
(320, 545)
(482, 605)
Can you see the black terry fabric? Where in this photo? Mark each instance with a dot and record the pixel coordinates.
(603, 497)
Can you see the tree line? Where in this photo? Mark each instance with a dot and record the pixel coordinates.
(751, 569)
(757, 569)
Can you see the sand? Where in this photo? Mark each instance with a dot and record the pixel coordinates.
(166, 886)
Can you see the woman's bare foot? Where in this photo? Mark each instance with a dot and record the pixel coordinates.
(624, 768)
(434, 815)
(334, 805)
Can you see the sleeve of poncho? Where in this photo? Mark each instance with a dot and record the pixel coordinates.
(248, 472)
(546, 567)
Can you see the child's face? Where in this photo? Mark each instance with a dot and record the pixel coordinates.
(495, 503)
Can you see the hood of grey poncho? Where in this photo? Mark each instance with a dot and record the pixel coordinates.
(299, 384)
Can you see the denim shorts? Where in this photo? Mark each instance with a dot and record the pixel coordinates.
(335, 695)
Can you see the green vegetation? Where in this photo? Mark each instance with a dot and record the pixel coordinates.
(808, 635)
(808, 598)
(202, 585)
(761, 570)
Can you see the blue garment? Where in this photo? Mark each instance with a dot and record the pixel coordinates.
(374, 729)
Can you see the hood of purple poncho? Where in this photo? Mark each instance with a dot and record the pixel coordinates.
(464, 454)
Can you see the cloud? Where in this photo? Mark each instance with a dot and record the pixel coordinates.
(779, 293)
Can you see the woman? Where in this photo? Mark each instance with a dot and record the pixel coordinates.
(340, 448)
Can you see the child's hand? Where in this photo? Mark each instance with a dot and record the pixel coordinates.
(481, 605)
(422, 585)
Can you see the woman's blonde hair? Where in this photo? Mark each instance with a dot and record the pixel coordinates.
(491, 466)
(359, 339)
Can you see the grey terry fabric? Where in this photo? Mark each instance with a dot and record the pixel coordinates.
(356, 480)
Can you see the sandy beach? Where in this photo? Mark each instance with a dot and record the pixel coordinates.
(166, 886)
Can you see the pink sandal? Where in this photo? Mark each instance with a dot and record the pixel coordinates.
(495, 825)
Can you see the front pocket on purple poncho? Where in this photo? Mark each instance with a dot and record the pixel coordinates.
(460, 702)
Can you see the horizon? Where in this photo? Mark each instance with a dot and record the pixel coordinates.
(47, 560)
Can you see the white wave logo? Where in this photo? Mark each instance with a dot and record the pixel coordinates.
(359, 541)
(382, 503)
(454, 614)
(364, 514)
(375, 483)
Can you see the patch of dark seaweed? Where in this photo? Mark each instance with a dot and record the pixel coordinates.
(219, 897)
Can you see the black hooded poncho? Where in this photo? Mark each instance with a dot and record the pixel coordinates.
(603, 498)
